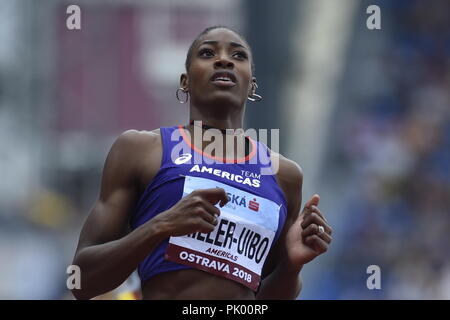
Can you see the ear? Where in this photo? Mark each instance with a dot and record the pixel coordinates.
(184, 82)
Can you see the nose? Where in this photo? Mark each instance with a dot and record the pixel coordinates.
(223, 62)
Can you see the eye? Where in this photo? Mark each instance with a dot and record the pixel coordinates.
(206, 53)
(240, 55)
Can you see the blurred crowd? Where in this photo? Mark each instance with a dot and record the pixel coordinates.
(395, 148)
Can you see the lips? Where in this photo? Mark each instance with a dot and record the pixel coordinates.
(223, 78)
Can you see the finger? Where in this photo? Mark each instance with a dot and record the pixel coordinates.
(316, 243)
(204, 227)
(313, 201)
(214, 195)
(316, 219)
(313, 217)
(211, 209)
(316, 210)
(210, 218)
(313, 229)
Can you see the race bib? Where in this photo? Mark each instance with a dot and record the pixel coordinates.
(238, 246)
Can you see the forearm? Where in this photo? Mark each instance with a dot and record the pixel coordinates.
(105, 266)
(282, 283)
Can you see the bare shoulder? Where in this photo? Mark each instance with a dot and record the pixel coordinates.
(132, 142)
(289, 176)
(133, 153)
(288, 172)
(131, 138)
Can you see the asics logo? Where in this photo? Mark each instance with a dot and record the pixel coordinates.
(185, 157)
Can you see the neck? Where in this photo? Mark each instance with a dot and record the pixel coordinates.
(239, 147)
(218, 117)
(199, 123)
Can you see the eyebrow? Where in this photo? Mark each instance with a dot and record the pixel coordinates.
(233, 44)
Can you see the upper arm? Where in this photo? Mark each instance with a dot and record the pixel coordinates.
(290, 180)
(108, 219)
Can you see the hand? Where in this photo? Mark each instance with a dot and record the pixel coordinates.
(195, 212)
(304, 241)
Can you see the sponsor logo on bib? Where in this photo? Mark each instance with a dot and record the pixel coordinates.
(253, 205)
(239, 245)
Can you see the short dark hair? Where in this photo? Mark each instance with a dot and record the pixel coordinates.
(187, 63)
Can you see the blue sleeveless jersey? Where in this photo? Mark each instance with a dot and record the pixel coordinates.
(181, 160)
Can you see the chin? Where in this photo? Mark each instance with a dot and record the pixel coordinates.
(226, 98)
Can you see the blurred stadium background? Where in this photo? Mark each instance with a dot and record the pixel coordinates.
(366, 113)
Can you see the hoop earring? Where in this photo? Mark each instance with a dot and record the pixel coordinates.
(254, 96)
(185, 92)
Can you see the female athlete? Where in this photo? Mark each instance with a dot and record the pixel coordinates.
(210, 229)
